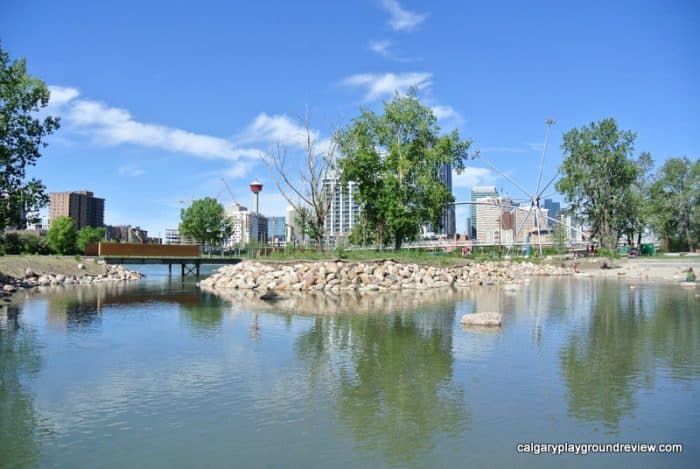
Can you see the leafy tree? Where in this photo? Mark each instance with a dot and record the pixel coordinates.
(21, 137)
(12, 243)
(395, 159)
(88, 234)
(62, 235)
(675, 200)
(639, 207)
(32, 244)
(597, 174)
(205, 221)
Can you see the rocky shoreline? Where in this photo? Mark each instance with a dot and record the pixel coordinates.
(31, 279)
(371, 276)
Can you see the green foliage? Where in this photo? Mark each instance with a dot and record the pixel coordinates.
(205, 221)
(32, 244)
(12, 243)
(340, 252)
(21, 137)
(395, 159)
(308, 228)
(559, 238)
(597, 174)
(675, 201)
(87, 235)
(62, 235)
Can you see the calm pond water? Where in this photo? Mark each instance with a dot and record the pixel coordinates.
(160, 374)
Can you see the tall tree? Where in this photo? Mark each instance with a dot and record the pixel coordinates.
(395, 159)
(310, 190)
(636, 212)
(62, 236)
(598, 170)
(204, 221)
(675, 200)
(22, 135)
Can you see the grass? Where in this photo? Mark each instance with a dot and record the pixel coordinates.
(405, 256)
(15, 266)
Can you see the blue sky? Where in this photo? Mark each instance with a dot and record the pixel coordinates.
(159, 100)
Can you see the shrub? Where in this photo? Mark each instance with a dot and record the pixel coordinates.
(12, 243)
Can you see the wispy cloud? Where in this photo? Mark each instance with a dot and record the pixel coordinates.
(446, 113)
(379, 85)
(384, 49)
(109, 125)
(401, 19)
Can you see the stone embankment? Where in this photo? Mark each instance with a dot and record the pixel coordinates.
(31, 279)
(370, 276)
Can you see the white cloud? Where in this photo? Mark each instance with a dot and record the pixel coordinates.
(384, 49)
(401, 19)
(60, 95)
(473, 176)
(445, 113)
(115, 126)
(240, 169)
(266, 128)
(380, 47)
(379, 85)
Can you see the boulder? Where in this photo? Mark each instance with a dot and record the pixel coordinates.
(482, 319)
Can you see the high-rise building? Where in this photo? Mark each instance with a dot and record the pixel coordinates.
(81, 206)
(527, 220)
(276, 232)
(494, 220)
(478, 192)
(344, 209)
(553, 209)
(448, 224)
(292, 233)
(247, 226)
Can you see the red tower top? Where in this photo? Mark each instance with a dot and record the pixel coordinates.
(256, 186)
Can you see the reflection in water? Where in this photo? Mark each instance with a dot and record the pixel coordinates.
(203, 311)
(605, 363)
(396, 391)
(373, 379)
(19, 360)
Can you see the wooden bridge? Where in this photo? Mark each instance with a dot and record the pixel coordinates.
(187, 255)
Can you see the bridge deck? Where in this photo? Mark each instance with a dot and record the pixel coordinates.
(170, 260)
(193, 262)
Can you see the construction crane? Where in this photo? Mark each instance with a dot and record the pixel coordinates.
(230, 192)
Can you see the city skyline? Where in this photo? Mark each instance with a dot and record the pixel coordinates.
(194, 94)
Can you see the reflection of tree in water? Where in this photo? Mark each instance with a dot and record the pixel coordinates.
(19, 358)
(629, 333)
(396, 393)
(205, 312)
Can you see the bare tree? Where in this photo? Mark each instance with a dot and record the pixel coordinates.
(311, 192)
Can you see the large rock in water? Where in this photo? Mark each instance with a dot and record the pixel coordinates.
(482, 319)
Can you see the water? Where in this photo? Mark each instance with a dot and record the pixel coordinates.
(160, 374)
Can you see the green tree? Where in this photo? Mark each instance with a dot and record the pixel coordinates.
(88, 234)
(205, 221)
(21, 137)
(597, 174)
(62, 235)
(395, 159)
(675, 200)
(559, 237)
